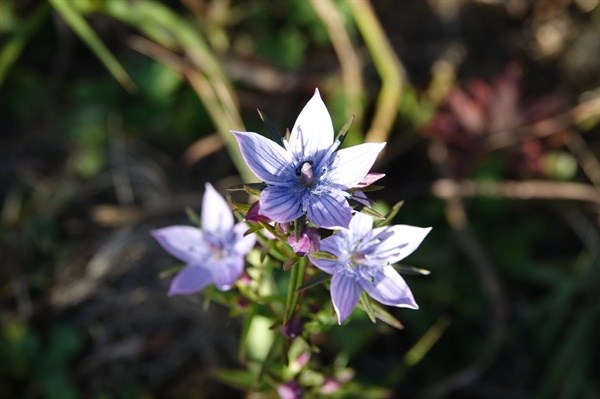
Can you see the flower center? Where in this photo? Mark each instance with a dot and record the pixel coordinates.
(216, 251)
(357, 259)
(305, 174)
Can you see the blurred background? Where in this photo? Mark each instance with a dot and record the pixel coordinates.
(114, 113)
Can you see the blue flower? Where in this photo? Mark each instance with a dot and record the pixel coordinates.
(364, 259)
(214, 254)
(307, 175)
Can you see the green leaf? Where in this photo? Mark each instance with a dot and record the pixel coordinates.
(406, 269)
(15, 45)
(344, 130)
(366, 209)
(79, 25)
(380, 313)
(427, 340)
(323, 255)
(367, 306)
(240, 379)
(250, 188)
(171, 271)
(367, 189)
(390, 215)
(291, 262)
(277, 137)
(314, 281)
(253, 229)
(192, 215)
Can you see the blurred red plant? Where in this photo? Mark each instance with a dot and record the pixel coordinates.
(467, 118)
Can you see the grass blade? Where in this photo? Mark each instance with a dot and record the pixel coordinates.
(79, 25)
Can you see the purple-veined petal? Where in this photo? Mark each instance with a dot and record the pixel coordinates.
(313, 131)
(360, 225)
(345, 293)
(351, 165)
(389, 288)
(216, 217)
(280, 204)
(244, 244)
(226, 270)
(186, 243)
(335, 244)
(329, 210)
(190, 279)
(402, 241)
(269, 161)
(361, 197)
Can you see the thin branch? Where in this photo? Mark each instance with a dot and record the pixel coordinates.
(532, 189)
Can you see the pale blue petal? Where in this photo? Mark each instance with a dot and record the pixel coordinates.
(243, 244)
(345, 293)
(226, 271)
(216, 218)
(402, 241)
(313, 131)
(329, 210)
(280, 204)
(351, 165)
(186, 243)
(335, 244)
(270, 162)
(360, 225)
(190, 279)
(389, 288)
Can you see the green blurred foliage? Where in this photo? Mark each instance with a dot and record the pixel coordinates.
(32, 367)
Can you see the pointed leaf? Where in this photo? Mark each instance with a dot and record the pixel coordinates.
(253, 229)
(367, 306)
(277, 137)
(250, 188)
(243, 380)
(367, 189)
(344, 130)
(240, 208)
(390, 215)
(299, 226)
(365, 209)
(384, 316)
(406, 269)
(291, 262)
(323, 255)
(314, 281)
(193, 216)
(171, 271)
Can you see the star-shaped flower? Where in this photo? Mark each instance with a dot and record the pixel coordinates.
(364, 263)
(214, 254)
(307, 175)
